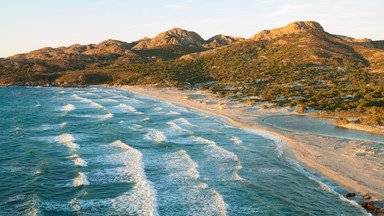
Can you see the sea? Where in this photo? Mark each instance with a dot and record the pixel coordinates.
(107, 151)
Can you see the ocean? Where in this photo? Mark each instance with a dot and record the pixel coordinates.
(106, 151)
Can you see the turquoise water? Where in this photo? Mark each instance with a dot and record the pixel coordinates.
(320, 127)
(104, 151)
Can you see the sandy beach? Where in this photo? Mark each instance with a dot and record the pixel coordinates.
(355, 167)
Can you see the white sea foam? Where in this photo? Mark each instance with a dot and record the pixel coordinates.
(96, 105)
(80, 162)
(119, 96)
(183, 121)
(109, 115)
(238, 142)
(220, 154)
(127, 108)
(195, 194)
(173, 113)
(82, 99)
(90, 93)
(106, 116)
(46, 127)
(141, 200)
(155, 135)
(108, 100)
(26, 205)
(72, 156)
(62, 125)
(67, 140)
(67, 108)
(145, 119)
(86, 100)
(77, 160)
(81, 179)
(175, 129)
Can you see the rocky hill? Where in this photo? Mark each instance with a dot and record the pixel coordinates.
(174, 36)
(221, 40)
(292, 28)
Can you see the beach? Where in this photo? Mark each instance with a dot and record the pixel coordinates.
(355, 167)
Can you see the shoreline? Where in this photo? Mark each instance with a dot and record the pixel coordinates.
(352, 125)
(326, 159)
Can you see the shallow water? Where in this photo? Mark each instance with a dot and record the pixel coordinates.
(98, 151)
(320, 127)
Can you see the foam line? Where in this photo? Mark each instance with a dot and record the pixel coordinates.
(108, 100)
(127, 108)
(67, 140)
(155, 135)
(67, 108)
(183, 122)
(176, 129)
(195, 194)
(106, 116)
(80, 180)
(141, 200)
(46, 127)
(77, 161)
(220, 154)
(238, 142)
(86, 100)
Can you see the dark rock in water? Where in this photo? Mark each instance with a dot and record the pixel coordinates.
(350, 195)
(372, 208)
(366, 196)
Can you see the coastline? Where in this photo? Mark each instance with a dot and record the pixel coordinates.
(317, 154)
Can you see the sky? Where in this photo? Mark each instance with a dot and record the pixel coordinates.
(27, 25)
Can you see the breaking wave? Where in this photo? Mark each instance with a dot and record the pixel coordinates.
(141, 199)
(195, 194)
(155, 135)
(127, 108)
(67, 108)
(67, 140)
(80, 180)
(77, 160)
(220, 154)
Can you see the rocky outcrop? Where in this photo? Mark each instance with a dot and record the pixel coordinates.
(174, 36)
(370, 207)
(221, 40)
(292, 28)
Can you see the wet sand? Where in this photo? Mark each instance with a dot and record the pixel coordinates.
(353, 165)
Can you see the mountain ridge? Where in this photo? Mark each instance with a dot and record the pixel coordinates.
(186, 45)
